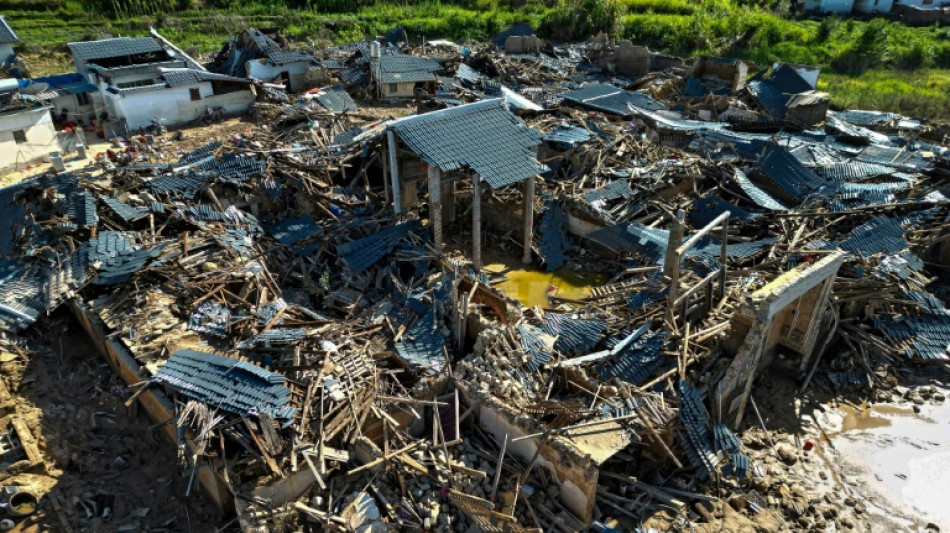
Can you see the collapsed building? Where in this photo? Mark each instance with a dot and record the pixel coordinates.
(305, 310)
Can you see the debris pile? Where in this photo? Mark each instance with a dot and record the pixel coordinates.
(307, 310)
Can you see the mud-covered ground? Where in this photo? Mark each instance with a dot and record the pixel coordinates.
(105, 466)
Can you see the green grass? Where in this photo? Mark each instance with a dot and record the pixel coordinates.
(870, 64)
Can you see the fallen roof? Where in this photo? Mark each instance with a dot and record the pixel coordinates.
(234, 386)
(483, 136)
(610, 99)
(273, 52)
(117, 47)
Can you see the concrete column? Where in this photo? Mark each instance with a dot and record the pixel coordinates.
(448, 204)
(676, 240)
(477, 221)
(527, 211)
(435, 205)
(394, 172)
(384, 161)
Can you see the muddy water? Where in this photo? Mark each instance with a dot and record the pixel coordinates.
(533, 287)
(905, 456)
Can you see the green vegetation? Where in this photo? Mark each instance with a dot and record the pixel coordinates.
(871, 64)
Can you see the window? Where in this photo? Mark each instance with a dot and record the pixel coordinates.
(137, 83)
(83, 99)
(394, 87)
(19, 136)
(195, 94)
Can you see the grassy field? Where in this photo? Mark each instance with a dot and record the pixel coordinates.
(868, 64)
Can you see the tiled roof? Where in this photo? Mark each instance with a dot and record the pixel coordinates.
(756, 194)
(423, 343)
(788, 175)
(635, 238)
(697, 439)
(705, 210)
(610, 99)
(879, 235)
(184, 184)
(7, 35)
(640, 360)
(180, 77)
(364, 253)
(335, 99)
(289, 231)
(483, 136)
(568, 135)
(574, 334)
(614, 189)
(532, 343)
(225, 383)
(467, 73)
(118, 47)
(406, 68)
(274, 53)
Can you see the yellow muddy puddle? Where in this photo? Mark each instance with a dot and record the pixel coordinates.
(533, 287)
(870, 417)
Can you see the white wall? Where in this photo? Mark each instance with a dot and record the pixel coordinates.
(174, 106)
(6, 50)
(830, 6)
(933, 4)
(41, 137)
(79, 113)
(297, 72)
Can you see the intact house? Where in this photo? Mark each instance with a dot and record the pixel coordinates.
(401, 75)
(846, 7)
(257, 54)
(26, 128)
(146, 79)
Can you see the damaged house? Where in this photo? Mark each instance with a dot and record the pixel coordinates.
(142, 82)
(264, 55)
(26, 127)
(401, 75)
(8, 38)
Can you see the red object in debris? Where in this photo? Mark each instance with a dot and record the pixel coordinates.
(552, 288)
(809, 445)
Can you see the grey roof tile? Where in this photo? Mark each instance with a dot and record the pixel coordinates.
(7, 35)
(117, 47)
(483, 136)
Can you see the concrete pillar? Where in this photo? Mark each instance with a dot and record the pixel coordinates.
(448, 204)
(477, 221)
(384, 161)
(394, 172)
(527, 211)
(677, 229)
(435, 205)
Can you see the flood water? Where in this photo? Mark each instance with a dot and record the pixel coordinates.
(534, 287)
(906, 456)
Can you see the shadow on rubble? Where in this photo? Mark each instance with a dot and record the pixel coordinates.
(107, 467)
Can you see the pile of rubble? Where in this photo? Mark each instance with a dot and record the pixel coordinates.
(304, 309)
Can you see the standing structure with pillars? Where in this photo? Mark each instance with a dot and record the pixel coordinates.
(483, 142)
